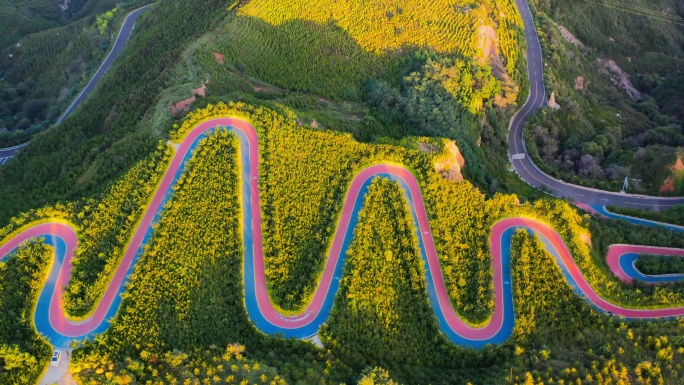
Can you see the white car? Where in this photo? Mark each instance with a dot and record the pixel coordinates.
(56, 357)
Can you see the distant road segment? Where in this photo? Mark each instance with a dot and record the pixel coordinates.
(6, 154)
(520, 159)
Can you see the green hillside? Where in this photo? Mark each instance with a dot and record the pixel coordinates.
(332, 87)
(601, 134)
(165, 332)
(170, 55)
(41, 72)
(21, 18)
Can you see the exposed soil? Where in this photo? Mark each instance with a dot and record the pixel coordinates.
(450, 168)
(489, 46)
(183, 105)
(200, 91)
(569, 36)
(267, 88)
(677, 168)
(552, 102)
(219, 57)
(580, 83)
(586, 238)
(488, 43)
(619, 78)
(427, 148)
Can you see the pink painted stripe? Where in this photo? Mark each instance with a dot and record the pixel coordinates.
(586, 208)
(62, 325)
(615, 252)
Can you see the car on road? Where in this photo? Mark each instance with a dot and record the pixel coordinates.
(56, 358)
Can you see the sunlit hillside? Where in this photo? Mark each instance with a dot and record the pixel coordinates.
(338, 44)
(444, 25)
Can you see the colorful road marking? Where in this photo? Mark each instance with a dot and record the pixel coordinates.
(51, 321)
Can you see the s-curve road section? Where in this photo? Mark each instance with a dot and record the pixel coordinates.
(6, 154)
(528, 170)
(52, 322)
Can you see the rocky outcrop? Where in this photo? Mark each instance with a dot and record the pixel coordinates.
(182, 106)
(569, 37)
(619, 78)
(450, 163)
(677, 173)
(552, 102)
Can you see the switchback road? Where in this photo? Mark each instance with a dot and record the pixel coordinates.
(51, 321)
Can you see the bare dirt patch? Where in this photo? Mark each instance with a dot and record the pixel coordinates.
(182, 106)
(488, 43)
(489, 47)
(450, 163)
(586, 238)
(677, 169)
(569, 37)
(219, 57)
(200, 91)
(552, 102)
(427, 148)
(619, 78)
(267, 88)
(580, 83)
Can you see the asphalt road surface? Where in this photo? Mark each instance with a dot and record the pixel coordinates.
(520, 161)
(529, 171)
(6, 154)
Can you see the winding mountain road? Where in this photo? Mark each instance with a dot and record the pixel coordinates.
(51, 321)
(6, 154)
(520, 160)
(528, 170)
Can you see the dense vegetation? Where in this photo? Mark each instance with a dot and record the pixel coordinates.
(658, 264)
(23, 353)
(165, 59)
(103, 140)
(372, 79)
(674, 215)
(600, 135)
(42, 72)
(159, 337)
(329, 49)
(20, 18)
(183, 318)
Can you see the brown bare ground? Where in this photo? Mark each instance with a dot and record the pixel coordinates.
(219, 57)
(267, 88)
(450, 168)
(183, 105)
(668, 184)
(489, 46)
(619, 78)
(586, 238)
(427, 147)
(489, 49)
(569, 36)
